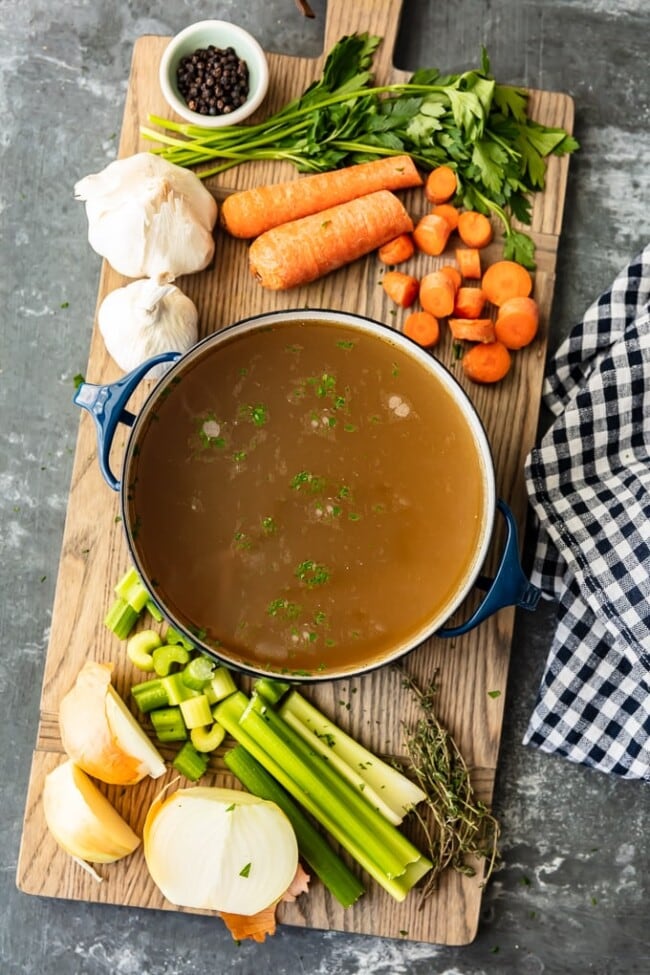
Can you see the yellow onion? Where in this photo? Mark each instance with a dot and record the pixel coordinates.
(82, 820)
(100, 734)
(219, 849)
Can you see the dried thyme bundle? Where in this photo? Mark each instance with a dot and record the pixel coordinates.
(455, 823)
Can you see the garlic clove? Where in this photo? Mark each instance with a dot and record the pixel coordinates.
(145, 318)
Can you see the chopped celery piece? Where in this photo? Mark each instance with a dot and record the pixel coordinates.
(121, 618)
(140, 647)
(376, 845)
(221, 685)
(196, 711)
(198, 672)
(150, 694)
(153, 611)
(207, 738)
(176, 690)
(383, 786)
(190, 763)
(270, 689)
(314, 848)
(131, 589)
(172, 636)
(166, 656)
(168, 724)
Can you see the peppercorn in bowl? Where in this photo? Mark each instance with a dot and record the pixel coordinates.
(214, 73)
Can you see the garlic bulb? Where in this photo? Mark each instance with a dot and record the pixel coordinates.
(144, 318)
(149, 218)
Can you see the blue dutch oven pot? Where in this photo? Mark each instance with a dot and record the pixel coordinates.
(107, 404)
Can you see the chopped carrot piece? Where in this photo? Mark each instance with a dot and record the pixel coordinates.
(437, 294)
(487, 362)
(397, 250)
(469, 303)
(453, 274)
(474, 229)
(469, 262)
(506, 279)
(472, 329)
(423, 328)
(517, 322)
(449, 212)
(431, 234)
(440, 185)
(401, 288)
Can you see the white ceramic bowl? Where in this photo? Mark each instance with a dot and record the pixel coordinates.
(222, 34)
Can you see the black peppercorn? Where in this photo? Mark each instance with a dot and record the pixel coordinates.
(210, 72)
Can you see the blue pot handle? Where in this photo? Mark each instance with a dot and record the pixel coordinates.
(107, 406)
(510, 587)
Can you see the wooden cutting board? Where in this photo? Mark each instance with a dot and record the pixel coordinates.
(373, 708)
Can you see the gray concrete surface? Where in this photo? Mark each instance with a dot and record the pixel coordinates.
(572, 896)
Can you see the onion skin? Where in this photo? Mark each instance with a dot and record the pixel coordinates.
(219, 849)
(87, 736)
(82, 820)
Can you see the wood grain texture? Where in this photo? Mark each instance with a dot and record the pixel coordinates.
(372, 708)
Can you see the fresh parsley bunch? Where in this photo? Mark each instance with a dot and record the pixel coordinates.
(467, 121)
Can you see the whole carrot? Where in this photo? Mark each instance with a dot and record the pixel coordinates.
(302, 250)
(251, 212)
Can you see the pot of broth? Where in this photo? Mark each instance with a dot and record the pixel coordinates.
(307, 493)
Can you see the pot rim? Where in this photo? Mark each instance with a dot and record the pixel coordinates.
(432, 365)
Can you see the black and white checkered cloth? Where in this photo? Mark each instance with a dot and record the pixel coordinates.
(589, 486)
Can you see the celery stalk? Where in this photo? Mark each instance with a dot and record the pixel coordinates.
(393, 793)
(390, 850)
(314, 848)
(302, 778)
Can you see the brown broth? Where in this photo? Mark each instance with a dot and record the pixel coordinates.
(306, 497)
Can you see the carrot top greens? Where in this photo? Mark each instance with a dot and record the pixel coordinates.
(466, 121)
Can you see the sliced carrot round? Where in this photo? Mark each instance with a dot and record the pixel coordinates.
(506, 279)
(401, 288)
(437, 294)
(449, 212)
(474, 229)
(453, 274)
(423, 328)
(469, 302)
(469, 262)
(397, 250)
(487, 362)
(517, 322)
(431, 234)
(441, 184)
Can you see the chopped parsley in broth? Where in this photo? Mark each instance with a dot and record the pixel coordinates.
(308, 497)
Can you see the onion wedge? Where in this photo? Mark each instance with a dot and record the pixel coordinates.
(82, 820)
(100, 734)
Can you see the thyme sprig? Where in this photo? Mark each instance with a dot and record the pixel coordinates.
(456, 824)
